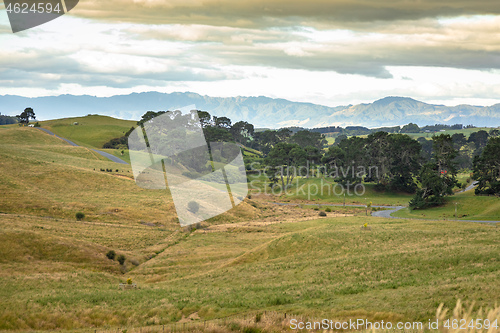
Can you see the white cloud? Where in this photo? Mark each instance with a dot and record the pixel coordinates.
(447, 61)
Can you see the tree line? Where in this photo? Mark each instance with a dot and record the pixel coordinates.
(392, 161)
(408, 128)
(7, 120)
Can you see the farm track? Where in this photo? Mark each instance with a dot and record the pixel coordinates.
(387, 213)
(102, 153)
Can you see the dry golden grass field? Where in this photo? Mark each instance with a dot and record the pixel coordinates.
(257, 258)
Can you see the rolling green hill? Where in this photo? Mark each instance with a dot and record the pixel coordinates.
(91, 131)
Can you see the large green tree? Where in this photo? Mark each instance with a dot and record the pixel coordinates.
(444, 154)
(378, 157)
(242, 132)
(205, 118)
(426, 152)
(437, 178)
(405, 158)
(479, 138)
(339, 139)
(352, 167)
(223, 122)
(149, 115)
(286, 158)
(486, 168)
(410, 128)
(217, 134)
(25, 116)
(307, 138)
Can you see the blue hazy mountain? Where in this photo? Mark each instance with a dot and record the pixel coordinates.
(260, 111)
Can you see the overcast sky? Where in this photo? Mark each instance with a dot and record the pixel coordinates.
(331, 52)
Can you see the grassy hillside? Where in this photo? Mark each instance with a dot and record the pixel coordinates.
(55, 274)
(395, 271)
(469, 207)
(58, 180)
(390, 271)
(91, 131)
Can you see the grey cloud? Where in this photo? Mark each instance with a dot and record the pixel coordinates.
(212, 34)
(22, 79)
(49, 69)
(405, 43)
(366, 60)
(424, 43)
(259, 13)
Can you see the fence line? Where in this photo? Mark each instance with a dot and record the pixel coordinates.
(200, 325)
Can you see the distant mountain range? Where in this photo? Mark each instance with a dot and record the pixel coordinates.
(260, 111)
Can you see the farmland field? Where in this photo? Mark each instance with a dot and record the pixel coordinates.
(55, 273)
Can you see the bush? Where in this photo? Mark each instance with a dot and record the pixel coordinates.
(417, 202)
(193, 207)
(111, 254)
(192, 227)
(322, 214)
(129, 281)
(121, 259)
(258, 317)
(79, 216)
(328, 209)
(234, 327)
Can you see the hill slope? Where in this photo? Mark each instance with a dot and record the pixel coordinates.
(55, 274)
(92, 130)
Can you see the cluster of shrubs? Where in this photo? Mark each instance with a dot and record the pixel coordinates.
(109, 170)
(119, 143)
(321, 213)
(193, 227)
(112, 255)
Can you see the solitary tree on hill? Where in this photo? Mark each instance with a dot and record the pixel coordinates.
(24, 117)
